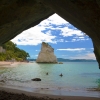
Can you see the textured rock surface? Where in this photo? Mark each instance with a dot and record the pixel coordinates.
(2, 50)
(46, 54)
(19, 15)
(36, 79)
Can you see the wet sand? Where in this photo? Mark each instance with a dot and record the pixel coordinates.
(15, 94)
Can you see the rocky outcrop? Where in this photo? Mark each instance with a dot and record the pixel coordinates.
(60, 63)
(46, 54)
(19, 15)
(2, 50)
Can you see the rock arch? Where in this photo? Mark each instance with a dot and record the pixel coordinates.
(19, 15)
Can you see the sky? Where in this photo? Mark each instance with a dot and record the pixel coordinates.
(68, 41)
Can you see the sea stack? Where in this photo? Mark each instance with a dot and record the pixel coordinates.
(46, 54)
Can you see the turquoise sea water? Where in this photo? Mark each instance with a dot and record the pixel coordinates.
(78, 78)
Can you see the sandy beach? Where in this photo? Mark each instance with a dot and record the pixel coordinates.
(15, 94)
(3, 63)
(10, 64)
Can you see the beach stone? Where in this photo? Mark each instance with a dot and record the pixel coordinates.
(36, 79)
(46, 54)
(60, 62)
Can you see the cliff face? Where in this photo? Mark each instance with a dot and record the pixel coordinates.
(2, 50)
(46, 54)
(19, 15)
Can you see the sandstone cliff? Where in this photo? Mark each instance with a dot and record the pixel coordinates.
(46, 54)
(2, 50)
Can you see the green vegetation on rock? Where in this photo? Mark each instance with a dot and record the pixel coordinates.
(12, 52)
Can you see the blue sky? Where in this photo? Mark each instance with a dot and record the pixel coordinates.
(68, 42)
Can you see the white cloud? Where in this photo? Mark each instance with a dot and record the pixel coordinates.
(67, 41)
(36, 35)
(73, 40)
(86, 56)
(70, 49)
(54, 19)
(33, 36)
(60, 40)
(37, 50)
(64, 55)
(81, 37)
(92, 48)
(65, 32)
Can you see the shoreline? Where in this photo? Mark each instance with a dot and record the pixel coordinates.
(9, 64)
(3, 63)
(45, 93)
(38, 96)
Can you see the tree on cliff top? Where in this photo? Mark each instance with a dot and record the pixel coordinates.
(12, 52)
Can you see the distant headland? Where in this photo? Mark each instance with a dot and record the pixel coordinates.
(69, 60)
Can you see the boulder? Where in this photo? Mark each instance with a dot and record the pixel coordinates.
(36, 79)
(46, 54)
(60, 62)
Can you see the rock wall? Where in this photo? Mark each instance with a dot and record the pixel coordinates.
(2, 50)
(46, 54)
